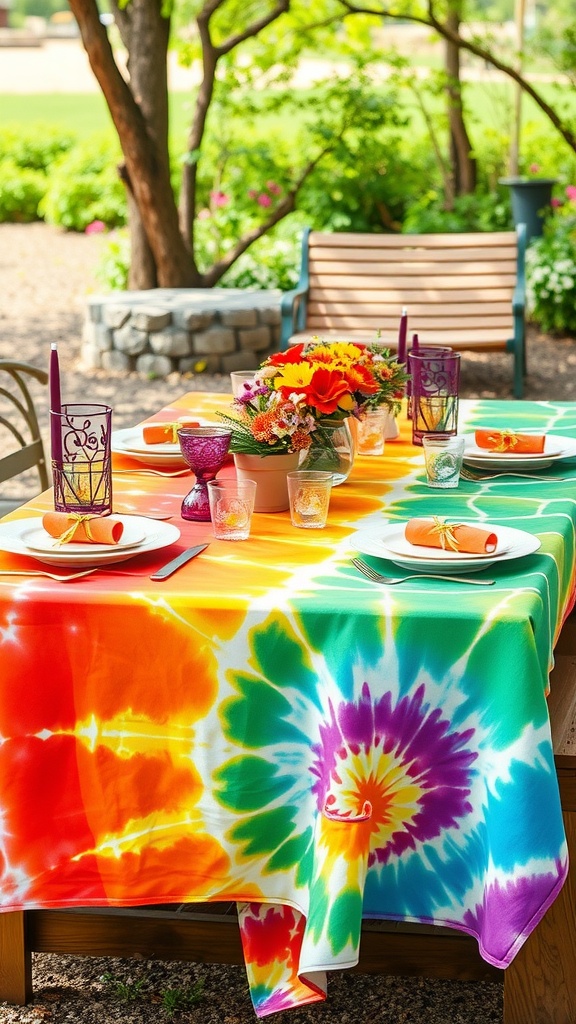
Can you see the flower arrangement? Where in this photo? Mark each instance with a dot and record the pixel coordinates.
(294, 392)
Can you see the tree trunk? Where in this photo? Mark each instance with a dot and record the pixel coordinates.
(463, 164)
(139, 110)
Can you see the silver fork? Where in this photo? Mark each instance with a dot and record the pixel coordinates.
(469, 474)
(377, 577)
(49, 575)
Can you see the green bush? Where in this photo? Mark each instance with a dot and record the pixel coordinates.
(480, 211)
(551, 275)
(272, 262)
(20, 192)
(84, 186)
(36, 147)
(112, 270)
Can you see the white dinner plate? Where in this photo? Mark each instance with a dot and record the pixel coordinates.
(398, 544)
(555, 447)
(512, 543)
(37, 539)
(130, 441)
(14, 536)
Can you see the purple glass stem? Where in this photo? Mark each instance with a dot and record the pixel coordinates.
(204, 450)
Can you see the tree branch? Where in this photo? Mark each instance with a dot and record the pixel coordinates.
(286, 206)
(282, 7)
(479, 51)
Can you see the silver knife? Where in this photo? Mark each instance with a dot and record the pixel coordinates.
(176, 563)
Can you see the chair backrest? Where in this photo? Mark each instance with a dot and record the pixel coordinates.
(458, 288)
(21, 446)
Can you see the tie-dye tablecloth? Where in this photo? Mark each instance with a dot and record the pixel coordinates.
(269, 727)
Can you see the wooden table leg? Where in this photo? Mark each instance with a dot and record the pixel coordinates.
(540, 984)
(15, 959)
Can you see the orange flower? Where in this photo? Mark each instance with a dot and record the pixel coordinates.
(262, 425)
(293, 355)
(326, 391)
(361, 379)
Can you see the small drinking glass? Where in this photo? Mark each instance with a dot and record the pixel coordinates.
(231, 507)
(443, 454)
(309, 494)
(371, 431)
(204, 450)
(239, 378)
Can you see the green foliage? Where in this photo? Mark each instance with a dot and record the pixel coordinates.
(34, 147)
(551, 273)
(272, 262)
(85, 187)
(177, 1000)
(480, 211)
(127, 991)
(173, 1000)
(20, 192)
(112, 270)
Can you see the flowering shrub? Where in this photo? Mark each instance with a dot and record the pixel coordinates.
(293, 391)
(551, 271)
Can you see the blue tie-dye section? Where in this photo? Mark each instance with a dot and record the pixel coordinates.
(520, 828)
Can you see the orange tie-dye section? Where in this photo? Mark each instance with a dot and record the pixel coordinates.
(113, 736)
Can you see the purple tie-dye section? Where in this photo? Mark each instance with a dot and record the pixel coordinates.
(510, 912)
(434, 756)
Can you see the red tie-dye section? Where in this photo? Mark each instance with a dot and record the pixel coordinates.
(272, 941)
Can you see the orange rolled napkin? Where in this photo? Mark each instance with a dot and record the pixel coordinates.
(160, 433)
(435, 533)
(510, 441)
(69, 527)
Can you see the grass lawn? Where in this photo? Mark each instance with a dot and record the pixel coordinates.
(488, 102)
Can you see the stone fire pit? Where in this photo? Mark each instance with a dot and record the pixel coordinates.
(167, 330)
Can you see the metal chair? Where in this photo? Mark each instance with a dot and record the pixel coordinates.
(20, 433)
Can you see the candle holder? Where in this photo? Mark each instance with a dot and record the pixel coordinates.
(82, 469)
(204, 450)
(435, 382)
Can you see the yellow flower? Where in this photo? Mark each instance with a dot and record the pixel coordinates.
(294, 375)
(347, 402)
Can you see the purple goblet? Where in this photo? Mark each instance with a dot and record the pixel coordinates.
(204, 449)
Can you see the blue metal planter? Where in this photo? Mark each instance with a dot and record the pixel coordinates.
(530, 202)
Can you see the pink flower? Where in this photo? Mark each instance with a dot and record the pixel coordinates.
(204, 214)
(273, 188)
(219, 198)
(264, 199)
(534, 168)
(571, 192)
(555, 202)
(252, 193)
(95, 228)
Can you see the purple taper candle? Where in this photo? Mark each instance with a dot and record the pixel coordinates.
(415, 348)
(55, 404)
(402, 332)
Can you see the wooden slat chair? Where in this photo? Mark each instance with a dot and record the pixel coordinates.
(19, 431)
(466, 291)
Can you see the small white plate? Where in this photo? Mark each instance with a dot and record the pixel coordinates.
(156, 535)
(38, 540)
(512, 543)
(130, 441)
(555, 447)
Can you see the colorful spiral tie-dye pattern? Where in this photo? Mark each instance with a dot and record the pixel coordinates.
(270, 728)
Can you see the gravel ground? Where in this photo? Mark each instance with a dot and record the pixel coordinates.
(45, 278)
